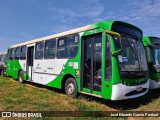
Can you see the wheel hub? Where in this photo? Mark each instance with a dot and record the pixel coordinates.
(71, 88)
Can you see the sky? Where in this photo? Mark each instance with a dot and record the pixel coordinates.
(24, 20)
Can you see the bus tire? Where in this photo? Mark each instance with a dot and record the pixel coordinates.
(20, 78)
(71, 88)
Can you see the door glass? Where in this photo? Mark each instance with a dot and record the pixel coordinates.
(87, 63)
(30, 53)
(30, 56)
(92, 62)
(108, 68)
(97, 53)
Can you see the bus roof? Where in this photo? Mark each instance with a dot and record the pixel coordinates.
(81, 29)
(105, 24)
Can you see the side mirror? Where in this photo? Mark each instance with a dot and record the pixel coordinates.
(118, 35)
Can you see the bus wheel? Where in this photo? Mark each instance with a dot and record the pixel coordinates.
(20, 78)
(71, 88)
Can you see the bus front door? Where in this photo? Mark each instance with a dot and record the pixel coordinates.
(30, 54)
(92, 64)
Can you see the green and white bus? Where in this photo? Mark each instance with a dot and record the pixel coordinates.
(152, 45)
(105, 59)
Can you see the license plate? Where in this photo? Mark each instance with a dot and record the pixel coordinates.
(139, 89)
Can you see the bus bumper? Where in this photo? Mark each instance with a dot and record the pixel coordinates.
(121, 92)
(154, 84)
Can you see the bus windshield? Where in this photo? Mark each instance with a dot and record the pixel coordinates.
(132, 56)
(156, 56)
(155, 53)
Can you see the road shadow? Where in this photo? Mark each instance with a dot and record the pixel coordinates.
(128, 104)
(43, 86)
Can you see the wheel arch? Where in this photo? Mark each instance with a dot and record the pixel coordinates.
(64, 79)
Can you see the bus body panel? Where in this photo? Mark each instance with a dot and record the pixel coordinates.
(126, 92)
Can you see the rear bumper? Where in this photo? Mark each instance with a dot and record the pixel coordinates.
(153, 84)
(121, 92)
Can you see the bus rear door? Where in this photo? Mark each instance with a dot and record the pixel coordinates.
(30, 58)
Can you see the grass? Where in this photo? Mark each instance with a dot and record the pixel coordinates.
(33, 97)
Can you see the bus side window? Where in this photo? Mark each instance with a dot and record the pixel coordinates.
(61, 51)
(39, 50)
(23, 53)
(72, 46)
(12, 54)
(67, 47)
(50, 49)
(8, 53)
(17, 53)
